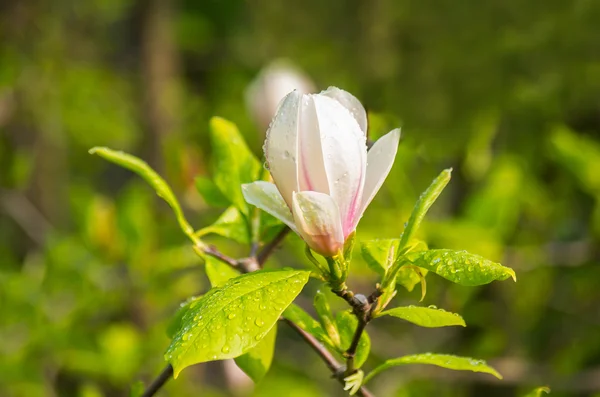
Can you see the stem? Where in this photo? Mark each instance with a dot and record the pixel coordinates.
(214, 252)
(327, 357)
(351, 352)
(268, 249)
(362, 309)
(159, 382)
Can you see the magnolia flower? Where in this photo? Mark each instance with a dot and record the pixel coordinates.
(324, 178)
(272, 84)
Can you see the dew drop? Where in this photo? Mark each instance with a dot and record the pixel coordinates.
(259, 322)
(231, 316)
(225, 349)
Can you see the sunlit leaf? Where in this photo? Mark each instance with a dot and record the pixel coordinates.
(233, 163)
(257, 361)
(231, 224)
(430, 317)
(210, 192)
(379, 255)
(230, 320)
(303, 320)
(323, 309)
(441, 360)
(346, 325)
(423, 204)
(461, 267)
(218, 272)
(376, 253)
(156, 181)
(175, 324)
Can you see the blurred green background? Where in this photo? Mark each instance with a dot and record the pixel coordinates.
(92, 264)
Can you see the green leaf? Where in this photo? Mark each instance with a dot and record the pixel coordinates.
(218, 272)
(230, 320)
(233, 163)
(346, 325)
(175, 324)
(376, 253)
(423, 204)
(380, 254)
(160, 186)
(231, 224)
(303, 320)
(210, 192)
(408, 277)
(538, 392)
(323, 309)
(461, 267)
(441, 360)
(257, 361)
(430, 317)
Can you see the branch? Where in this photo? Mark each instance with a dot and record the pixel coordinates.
(245, 265)
(159, 382)
(327, 357)
(362, 308)
(267, 250)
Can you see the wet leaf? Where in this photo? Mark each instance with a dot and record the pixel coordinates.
(430, 317)
(461, 267)
(441, 360)
(230, 320)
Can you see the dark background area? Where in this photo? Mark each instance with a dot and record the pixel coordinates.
(92, 264)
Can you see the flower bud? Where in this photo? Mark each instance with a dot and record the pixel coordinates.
(324, 178)
(272, 84)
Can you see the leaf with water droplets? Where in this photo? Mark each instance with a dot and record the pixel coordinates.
(230, 320)
(429, 317)
(346, 324)
(537, 392)
(233, 163)
(460, 267)
(218, 272)
(257, 361)
(441, 360)
(175, 323)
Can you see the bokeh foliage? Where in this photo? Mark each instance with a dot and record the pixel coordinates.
(93, 265)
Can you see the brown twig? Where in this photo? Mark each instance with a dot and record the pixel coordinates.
(268, 249)
(327, 357)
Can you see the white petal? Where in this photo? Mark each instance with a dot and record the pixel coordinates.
(318, 222)
(380, 159)
(350, 102)
(311, 168)
(281, 146)
(345, 157)
(265, 196)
